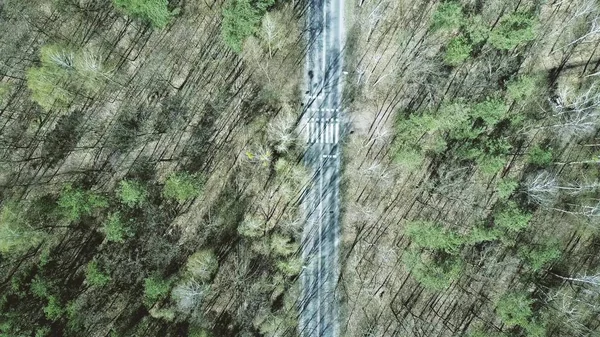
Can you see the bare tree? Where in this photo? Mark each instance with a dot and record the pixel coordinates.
(593, 280)
(592, 32)
(543, 188)
(280, 132)
(573, 307)
(189, 294)
(577, 115)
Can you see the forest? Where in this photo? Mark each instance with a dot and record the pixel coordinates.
(149, 172)
(151, 168)
(472, 173)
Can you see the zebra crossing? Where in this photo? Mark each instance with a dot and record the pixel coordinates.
(323, 130)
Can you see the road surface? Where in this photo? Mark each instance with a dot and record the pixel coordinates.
(322, 127)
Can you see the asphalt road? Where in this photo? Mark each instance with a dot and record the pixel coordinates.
(322, 126)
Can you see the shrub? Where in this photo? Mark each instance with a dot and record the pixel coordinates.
(429, 234)
(181, 187)
(482, 234)
(115, 230)
(202, 265)
(491, 111)
(291, 266)
(409, 159)
(5, 89)
(156, 12)
(132, 193)
(511, 218)
(539, 156)
(42, 332)
(94, 276)
(448, 15)
(432, 274)
(506, 187)
(155, 289)
(198, 332)
(490, 164)
(521, 88)
(49, 82)
(74, 203)
(61, 74)
(167, 314)
(15, 233)
(281, 245)
(513, 31)
(53, 309)
(40, 287)
(241, 19)
(476, 29)
(252, 227)
(535, 329)
(541, 255)
(481, 332)
(47, 89)
(457, 51)
(514, 309)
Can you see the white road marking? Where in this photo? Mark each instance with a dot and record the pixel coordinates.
(332, 132)
(323, 128)
(336, 132)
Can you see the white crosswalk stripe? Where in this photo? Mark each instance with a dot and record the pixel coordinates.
(332, 132)
(321, 130)
(336, 132)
